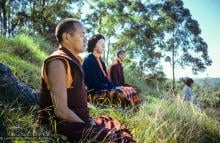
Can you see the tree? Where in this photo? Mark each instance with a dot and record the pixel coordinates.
(185, 43)
(34, 17)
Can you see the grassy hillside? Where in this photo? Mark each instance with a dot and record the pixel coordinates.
(162, 118)
(24, 55)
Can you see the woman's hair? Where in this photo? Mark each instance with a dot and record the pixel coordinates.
(189, 81)
(93, 40)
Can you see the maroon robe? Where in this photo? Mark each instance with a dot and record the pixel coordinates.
(116, 75)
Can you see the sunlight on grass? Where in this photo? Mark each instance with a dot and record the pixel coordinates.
(173, 121)
(24, 70)
(24, 47)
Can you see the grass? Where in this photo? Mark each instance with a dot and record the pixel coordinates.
(159, 120)
(173, 120)
(42, 44)
(18, 126)
(24, 47)
(22, 68)
(208, 94)
(24, 55)
(162, 118)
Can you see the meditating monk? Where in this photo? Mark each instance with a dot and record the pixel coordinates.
(63, 99)
(96, 77)
(116, 74)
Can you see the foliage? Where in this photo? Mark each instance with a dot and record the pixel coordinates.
(147, 30)
(207, 93)
(33, 17)
(185, 41)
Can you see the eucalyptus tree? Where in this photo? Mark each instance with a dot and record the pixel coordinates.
(183, 39)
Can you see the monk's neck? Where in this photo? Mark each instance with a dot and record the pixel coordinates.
(74, 52)
(119, 60)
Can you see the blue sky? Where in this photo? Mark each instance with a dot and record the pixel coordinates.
(207, 13)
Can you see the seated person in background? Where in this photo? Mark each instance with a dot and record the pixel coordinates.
(96, 80)
(63, 99)
(115, 72)
(187, 90)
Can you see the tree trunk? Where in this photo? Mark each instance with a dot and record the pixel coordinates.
(8, 15)
(4, 18)
(173, 62)
(108, 52)
(1, 27)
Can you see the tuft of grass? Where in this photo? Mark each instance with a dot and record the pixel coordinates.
(42, 44)
(25, 47)
(24, 55)
(173, 120)
(18, 126)
(24, 70)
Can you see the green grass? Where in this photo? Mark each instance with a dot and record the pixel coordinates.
(19, 127)
(158, 121)
(42, 44)
(23, 70)
(173, 120)
(26, 48)
(24, 55)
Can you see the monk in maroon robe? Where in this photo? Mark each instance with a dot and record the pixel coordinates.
(116, 76)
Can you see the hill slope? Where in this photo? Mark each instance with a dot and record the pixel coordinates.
(163, 119)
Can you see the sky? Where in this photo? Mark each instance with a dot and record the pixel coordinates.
(207, 13)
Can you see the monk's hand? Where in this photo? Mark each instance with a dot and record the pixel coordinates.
(119, 88)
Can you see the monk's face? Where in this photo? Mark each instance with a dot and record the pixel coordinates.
(77, 40)
(100, 46)
(122, 57)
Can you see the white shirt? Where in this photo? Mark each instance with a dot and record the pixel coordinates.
(187, 92)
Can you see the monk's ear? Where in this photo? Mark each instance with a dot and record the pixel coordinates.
(65, 36)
